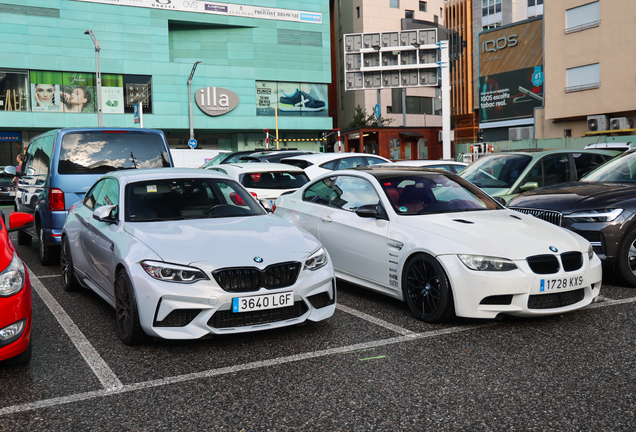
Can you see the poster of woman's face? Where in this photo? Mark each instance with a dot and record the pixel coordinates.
(45, 97)
(77, 99)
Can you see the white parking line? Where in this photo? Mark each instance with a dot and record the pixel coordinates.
(105, 375)
(375, 320)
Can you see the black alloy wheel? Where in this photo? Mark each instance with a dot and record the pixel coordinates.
(69, 281)
(126, 312)
(627, 258)
(426, 289)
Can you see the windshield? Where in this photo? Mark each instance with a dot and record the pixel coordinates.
(620, 169)
(422, 193)
(215, 160)
(188, 198)
(274, 180)
(496, 171)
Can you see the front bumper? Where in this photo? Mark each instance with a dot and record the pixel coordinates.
(191, 311)
(518, 292)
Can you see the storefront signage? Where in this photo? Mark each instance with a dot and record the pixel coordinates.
(216, 101)
(220, 9)
(499, 44)
(11, 136)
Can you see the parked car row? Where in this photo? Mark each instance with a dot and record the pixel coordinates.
(183, 253)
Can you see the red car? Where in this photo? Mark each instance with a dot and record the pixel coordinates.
(15, 295)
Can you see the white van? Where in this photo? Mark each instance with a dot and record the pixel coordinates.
(193, 158)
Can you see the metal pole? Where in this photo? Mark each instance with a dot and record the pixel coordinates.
(194, 67)
(404, 107)
(98, 76)
(446, 107)
(339, 142)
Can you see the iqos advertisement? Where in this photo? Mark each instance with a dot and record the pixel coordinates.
(510, 95)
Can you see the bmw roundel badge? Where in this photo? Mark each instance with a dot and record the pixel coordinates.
(258, 259)
(552, 248)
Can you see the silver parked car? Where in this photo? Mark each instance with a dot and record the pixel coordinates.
(183, 253)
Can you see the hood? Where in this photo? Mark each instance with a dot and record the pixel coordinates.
(226, 242)
(499, 233)
(574, 196)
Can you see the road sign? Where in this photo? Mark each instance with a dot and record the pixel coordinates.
(192, 143)
(376, 109)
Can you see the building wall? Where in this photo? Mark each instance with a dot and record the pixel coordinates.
(608, 44)
(377, 16)
(163, 43)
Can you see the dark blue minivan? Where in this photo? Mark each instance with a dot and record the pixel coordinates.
(61, 165)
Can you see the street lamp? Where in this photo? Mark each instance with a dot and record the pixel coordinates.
(194, 67)
(98, 73)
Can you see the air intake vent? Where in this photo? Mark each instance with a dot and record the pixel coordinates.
(29, 10)
(572, 261)
(296, 37)
(247, 279)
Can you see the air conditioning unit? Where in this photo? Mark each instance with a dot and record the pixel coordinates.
(621, 123)
(597, 123)
(520, 133)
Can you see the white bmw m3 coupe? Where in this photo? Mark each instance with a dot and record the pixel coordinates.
(183, 253)
(441, 244)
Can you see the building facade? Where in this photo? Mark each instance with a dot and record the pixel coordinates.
(590, 88)
(423, 104)
(261, 68)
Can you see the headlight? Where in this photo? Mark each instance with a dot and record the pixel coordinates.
(173, 272)
(486, 263)
(12, 332)
(12, 278)
(602, 215)
(590, 252)
(316, 260)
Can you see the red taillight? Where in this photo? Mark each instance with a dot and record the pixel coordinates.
(56, 200)
(273, 206)
(254, 194)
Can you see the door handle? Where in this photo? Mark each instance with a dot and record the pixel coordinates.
(86, 221)
(326, 219)
(112, 247)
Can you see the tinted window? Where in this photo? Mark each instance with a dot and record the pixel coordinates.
(177, 199)
(101, 152)
(374, 161)
(619, 169)
(549, 170)
(586, 162)
(91, 196)
(274, 180)
(319, 192)
(329, 165)
(349, 193)
(350, 162)
(299, 163)
(497, 171)
(108, 194)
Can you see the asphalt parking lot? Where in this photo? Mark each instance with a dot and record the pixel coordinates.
(370, 367)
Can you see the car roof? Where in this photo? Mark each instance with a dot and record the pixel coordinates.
(325, 157)
(542, 151)
(423, 162)
(257, 167)
(135, 175)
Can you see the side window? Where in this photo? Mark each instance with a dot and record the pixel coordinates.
(329, 165)
(91, 196)
(374, 161)
(319, 192)
(349, 193)
(41, 160)
(350, 162)
(108, 194)
(28, 158)
(586, 162)
(550, 170)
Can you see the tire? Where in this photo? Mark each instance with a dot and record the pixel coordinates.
(69, 279)
(126, 312)
(47, 254)
(627, 258)
(426, 289)
(24, 238)
(25, 357)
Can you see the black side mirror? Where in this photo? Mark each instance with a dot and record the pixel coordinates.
(375, 211)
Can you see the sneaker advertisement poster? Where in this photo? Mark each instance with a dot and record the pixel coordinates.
(292, 99)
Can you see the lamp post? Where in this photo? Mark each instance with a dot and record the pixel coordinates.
(194, 67)
(98, 73)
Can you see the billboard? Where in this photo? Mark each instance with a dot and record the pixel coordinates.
(510, 95)
(293, 99)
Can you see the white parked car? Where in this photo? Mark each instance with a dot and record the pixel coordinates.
(446, 165)
(442, 245)
(183, 253)
(321, 163)
(264, 180)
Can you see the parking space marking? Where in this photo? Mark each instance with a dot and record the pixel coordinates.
(608, 302)
(374, 320)
(105, 375)
(230, 370)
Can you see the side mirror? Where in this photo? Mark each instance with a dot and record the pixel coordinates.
(18, 221)
(529, 186)
(104, 214)
(375, 211)
(10, 170)
(500, 200)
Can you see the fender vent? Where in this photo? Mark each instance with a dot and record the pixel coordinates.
(464, 221)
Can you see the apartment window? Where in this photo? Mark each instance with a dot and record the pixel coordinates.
(422, 6)
(358, 11)
(414, 104)
(583, 78)
(582, 17)
(491, 16)
(394, 3)
(535, 8)
(408, 14)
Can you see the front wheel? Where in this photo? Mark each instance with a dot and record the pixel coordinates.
(627, 258)
(426, 289)
(126, 312)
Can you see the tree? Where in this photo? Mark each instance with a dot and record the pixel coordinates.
(362, 119)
